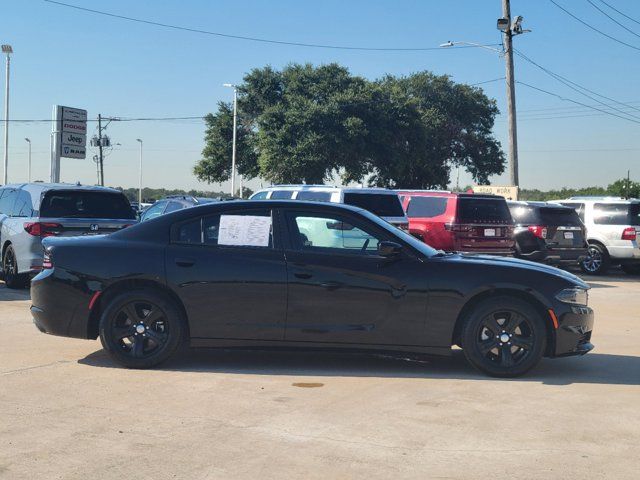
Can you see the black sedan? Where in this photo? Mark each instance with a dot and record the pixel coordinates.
(302, 274)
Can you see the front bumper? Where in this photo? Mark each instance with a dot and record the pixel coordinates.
(573, 335)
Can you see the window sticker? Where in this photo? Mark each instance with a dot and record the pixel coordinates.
(244, 230)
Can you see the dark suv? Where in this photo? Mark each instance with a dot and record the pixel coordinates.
(548, 233)
(460, 222)
(173, 203)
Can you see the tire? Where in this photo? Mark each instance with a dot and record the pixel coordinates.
(523, 332)
(631, 269)
(597, 261)
(12, 278)
(141, 328)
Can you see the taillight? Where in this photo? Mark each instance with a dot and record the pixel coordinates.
(539, 231)
(42, 229)
(47, 261)
(629, 233)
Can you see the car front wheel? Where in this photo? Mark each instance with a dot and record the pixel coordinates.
(141, 328)
(504, 337)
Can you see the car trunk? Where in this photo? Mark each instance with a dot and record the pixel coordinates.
(564, 229)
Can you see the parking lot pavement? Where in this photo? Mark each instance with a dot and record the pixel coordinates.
(66, 411)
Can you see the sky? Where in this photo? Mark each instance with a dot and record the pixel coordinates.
(124, 69)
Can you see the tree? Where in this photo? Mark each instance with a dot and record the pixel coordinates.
(305, 124)
(625, 188)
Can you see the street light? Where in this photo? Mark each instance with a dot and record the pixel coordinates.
(29, 142)
(233, 148)
(508, 29)
(8, 50)
(140, 178)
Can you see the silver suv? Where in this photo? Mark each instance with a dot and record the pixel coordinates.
(379, 201)
(613, 229)
(29, 212)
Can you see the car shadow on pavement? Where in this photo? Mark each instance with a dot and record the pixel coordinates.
(595, 368)
(8, 294)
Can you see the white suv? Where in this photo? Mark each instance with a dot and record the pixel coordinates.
(379, 201)
(613, 230)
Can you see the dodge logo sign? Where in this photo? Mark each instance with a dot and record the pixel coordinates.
(94, 227)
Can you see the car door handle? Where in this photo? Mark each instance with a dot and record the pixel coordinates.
(303, 275)
(331, 285)
(185, 262)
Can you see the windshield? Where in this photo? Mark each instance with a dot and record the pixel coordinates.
(86, 204)
(401, 234)
(383, 205)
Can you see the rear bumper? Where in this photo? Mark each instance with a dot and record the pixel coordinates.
(573, 335)
(556, 256)
(58, 308)
(496, 252)
(629, 253)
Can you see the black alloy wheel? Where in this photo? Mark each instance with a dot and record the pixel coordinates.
(12, 278)
(141, 329)
(597, 261)
(504, 337)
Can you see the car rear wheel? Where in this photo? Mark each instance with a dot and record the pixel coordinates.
(504, 337)
(597, 261)
(141, 328)
(10, 270)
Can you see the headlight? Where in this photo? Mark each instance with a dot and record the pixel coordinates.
(575, 296)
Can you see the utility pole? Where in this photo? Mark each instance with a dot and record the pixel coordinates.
(233, 147)
(8, 51)
(140, 177)
(511, 95)
(29, 174)
(100, 157)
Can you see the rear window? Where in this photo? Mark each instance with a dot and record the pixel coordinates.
(379, 204)
(479, 210)
(85, 204)
(617, 214)
(314, 196)
(565, 217)
(426, 207)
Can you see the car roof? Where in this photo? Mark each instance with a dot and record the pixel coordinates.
(60, 186)
(537, 204)
(384, 191)
(597, 200)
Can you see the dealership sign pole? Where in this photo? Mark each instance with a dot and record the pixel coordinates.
(69, 137)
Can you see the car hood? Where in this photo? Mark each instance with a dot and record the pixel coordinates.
(525, 265)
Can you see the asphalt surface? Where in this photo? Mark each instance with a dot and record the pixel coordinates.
(67, 412)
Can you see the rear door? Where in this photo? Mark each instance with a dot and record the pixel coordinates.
(229, 271)
(85, 212)
(612, 219)
(483, 223)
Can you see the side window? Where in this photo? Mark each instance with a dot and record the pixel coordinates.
(611, 213)
(281, 194)
(317, 232)
(233, 229)
(7, 201)
(312, 196)
(426, 207)
(260, 195)
(153, 211)
(578, 207)
(23, 206)
(172, 207)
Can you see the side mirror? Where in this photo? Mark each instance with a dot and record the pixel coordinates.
(389, 249)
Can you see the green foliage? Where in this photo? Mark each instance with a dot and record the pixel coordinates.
(616, 189)
(153, 194)
(303, 124)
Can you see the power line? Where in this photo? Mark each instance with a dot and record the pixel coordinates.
(486, 81)
(613, 19)
(572, 85)
(252, 39)
(588, 25)
(576, 102)
(621, 13)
